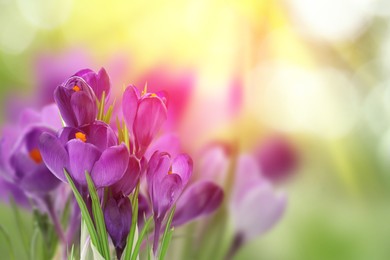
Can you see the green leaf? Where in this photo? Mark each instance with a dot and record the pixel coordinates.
(166, 243)
(166, 239)
(141, 238)
(99, 217)
(84, 212)
(33, 245)
(20, 226)
(8, 241)
(130, 236)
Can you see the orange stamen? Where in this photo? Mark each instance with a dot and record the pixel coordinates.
(76, 88)
(81, 136)
(153, 95)
(35, 155)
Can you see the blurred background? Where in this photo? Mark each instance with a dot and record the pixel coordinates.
(243, 71)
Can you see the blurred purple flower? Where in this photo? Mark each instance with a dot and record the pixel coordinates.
(276, 157)
(20, 157)
(76, 102)
(166, 179)
(255, 207)
(144, 115)
(91, 148)
(199, 199)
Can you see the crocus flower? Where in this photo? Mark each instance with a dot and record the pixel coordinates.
(255, 207)
(166, 179)
(91, 148)
(20, 157)
(118, 215)
(99, 82)
(199, 199)
(144, 115)
(76, 101)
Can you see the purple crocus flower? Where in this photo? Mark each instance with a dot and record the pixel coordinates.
(255, 207)
(91, 148)
(20, 157)
(118, 216)
(199, 199)
(166, 179)
(99, 82)
(144, 115)
(117, 210)
(76, 101)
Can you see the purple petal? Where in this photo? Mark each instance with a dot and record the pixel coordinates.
(165, 194)
(9, 190)
(82, 157)
(213, 164)
(130, 179)
(259, 210)
(54, 155)
(39, 180)
(158, 168)
(22, 164)
(98, 82)
(50, 116)
(103, 83)
(169, 143)
(84, 108)
(117, 216)
(183, 166)
(111, 166)
(100, 134)
(29, 116)
(62, 98)
(199, 199)
(150, 116)
(130, 105)
(31, 138)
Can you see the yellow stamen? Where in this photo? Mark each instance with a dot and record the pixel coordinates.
(153, 95)
(81, 136)
(35, 155)
(76, 88)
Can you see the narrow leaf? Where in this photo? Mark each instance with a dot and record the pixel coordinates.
(130, 237)
(99, 217)
(20, 225)
(141, 238)
(84, 212)
(8, 242)
(165, 241)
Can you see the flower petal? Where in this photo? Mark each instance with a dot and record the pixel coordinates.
(150, 116)
(199, 199)
(165, 194)
(54, 155)
(84, 108)
(130, 179)
(62, 98)
(169, 143)
(117, 216)
(82, 157)
(111, 166)
(183, 166)
(130, 105)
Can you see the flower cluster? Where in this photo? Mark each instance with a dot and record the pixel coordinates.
(124, 167)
